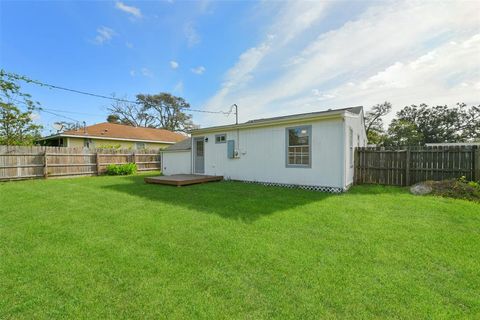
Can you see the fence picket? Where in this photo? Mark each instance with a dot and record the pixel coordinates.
(17, 162)
(410, 165)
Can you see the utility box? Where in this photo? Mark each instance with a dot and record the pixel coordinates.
(231, 149)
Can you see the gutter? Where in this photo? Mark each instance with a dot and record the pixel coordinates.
(266, 123)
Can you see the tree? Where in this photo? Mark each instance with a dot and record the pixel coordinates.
(130, 113)
(113, 118)
(16, 126)
(403, 133)
(167, 111)
(66, 125)
(161, 110)
(441, 123)
(374, 122)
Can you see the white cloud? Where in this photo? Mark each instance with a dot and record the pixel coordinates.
(35, 116)
(134, 11)
(292, 20)
(143, 71)
(104, 34)
(174, 64)
(404, 52)
(178, 88)
(198, 70)
(146, 72)
(193, 38)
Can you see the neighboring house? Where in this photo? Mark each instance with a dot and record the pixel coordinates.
(452, 144)
(310, 150)
(110, 135)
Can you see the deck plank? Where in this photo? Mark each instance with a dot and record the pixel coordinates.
(182, 179)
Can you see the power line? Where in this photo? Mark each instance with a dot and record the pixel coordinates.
(74, 112)
(43, 84)
(59, 115)
(54, 111)
(41, 109)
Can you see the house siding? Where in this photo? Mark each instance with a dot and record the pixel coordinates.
(176, 162)
(354, 122)
(262, 155)
(79, 143)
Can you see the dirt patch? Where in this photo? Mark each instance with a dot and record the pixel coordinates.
(449, 188)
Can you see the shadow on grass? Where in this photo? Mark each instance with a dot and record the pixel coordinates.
(371, 189)
(233, 200)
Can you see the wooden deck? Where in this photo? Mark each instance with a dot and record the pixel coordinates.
(182, 179)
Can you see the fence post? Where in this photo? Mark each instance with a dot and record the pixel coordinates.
(475, 164)
(355, 161)
(45, 164)
(97, 163)
(407, 167)
(134, 157)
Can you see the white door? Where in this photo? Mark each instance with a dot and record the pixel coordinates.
(199, 155)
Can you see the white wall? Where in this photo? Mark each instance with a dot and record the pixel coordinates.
(263, 155)
(355, 122)
(176, 162)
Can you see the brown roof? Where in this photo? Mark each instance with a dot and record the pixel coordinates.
(119, 131)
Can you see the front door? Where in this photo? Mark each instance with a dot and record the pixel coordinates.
(198, 155)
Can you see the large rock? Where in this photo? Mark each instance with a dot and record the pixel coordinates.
(421, 188)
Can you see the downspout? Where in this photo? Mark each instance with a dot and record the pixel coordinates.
(238, 130)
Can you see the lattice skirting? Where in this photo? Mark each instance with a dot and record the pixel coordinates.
(298, 186)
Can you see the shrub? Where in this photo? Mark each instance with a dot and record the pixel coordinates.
(121, 169)
(110, 146)
(456, 188)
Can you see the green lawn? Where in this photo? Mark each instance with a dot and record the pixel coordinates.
(114, 247)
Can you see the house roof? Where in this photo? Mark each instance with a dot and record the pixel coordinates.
(114, 131)
(355, 110)
(290, 118)
(184, 145)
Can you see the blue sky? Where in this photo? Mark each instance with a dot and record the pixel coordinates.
(271, 58)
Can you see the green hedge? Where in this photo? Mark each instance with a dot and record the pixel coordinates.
(122, 169)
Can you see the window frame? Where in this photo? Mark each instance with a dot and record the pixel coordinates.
(309, 132)
(221, 135)
(142, 147)
(88, 143)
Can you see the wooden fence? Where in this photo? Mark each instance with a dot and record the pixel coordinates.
(43, 162)
(409, 165)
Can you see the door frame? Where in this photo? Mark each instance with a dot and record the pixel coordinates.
(194, 155)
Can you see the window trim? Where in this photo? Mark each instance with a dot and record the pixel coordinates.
(88, 143)
(309, 131)
(143, 147)
(219, 135)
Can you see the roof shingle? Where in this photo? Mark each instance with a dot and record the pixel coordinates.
(119, 131)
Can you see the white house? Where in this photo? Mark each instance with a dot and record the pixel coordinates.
(311, 150)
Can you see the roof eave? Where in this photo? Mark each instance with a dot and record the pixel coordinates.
(267, 123)
(104, 138)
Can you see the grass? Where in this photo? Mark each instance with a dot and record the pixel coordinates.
(114, 247)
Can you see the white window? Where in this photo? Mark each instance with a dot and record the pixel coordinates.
(220, 138)
(298, 146)
(139, 145)
(350, 144)
(88, 143)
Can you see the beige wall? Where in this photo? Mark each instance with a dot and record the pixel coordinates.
(79, 143)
